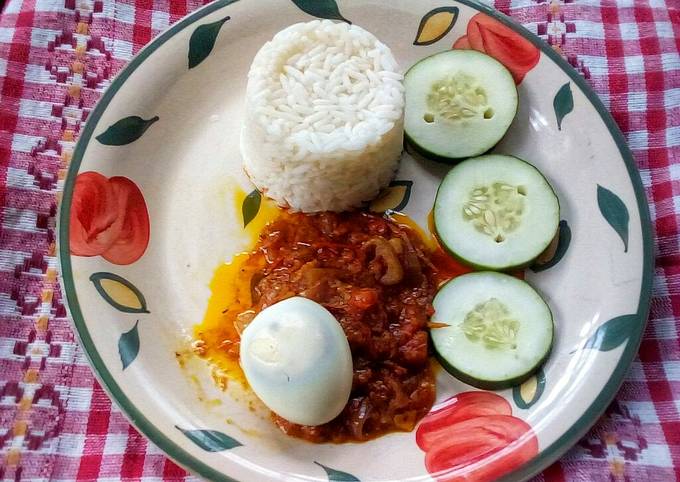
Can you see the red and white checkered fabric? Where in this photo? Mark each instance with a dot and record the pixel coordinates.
(56, 58)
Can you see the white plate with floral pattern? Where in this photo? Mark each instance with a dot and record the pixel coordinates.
(148, 214)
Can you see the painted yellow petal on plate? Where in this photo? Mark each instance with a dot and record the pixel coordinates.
(528, 389)
(392, 198)
(529, 392)
(388, 199)
(119, 292)
(435, 25)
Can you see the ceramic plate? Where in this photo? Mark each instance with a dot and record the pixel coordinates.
(158, 168)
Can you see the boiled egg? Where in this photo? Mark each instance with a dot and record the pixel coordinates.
(297, 360)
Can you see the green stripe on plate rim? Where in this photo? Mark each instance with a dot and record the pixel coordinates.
(548, 455)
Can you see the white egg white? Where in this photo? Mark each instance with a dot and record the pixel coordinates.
(297, 360)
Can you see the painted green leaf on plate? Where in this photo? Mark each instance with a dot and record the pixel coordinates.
(435, 25)
(211, 440)
(203, 40)
(615, 212)
(128, 346)
(336, 475)
(395, 197)
(563, 103)
(119, 292)
(563, 240)
(125, 131)
(251, 206)
(613, 333)
(321, 8)
(528, 393)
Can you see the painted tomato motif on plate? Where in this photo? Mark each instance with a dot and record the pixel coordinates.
(473, 436)
(109, 218)
(490, 36)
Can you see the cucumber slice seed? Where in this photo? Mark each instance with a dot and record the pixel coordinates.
(495, 210)
(490, 323)
(457, 97)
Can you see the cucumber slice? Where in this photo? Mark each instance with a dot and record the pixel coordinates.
(459, 103)
(496, 212)
(500, 330)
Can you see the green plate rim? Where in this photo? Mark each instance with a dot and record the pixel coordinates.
(183, 457)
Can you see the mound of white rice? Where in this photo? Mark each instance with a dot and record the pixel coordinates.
(323, 121)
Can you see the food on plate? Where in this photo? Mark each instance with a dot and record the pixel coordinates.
(323, 119)
(459, 103)
(329, 318)
(496, 212)
(499, 331)
(297, 360)
(375, 277)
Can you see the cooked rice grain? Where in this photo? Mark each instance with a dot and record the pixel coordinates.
(323, 122)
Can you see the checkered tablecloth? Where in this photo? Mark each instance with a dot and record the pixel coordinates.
(58, 56)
